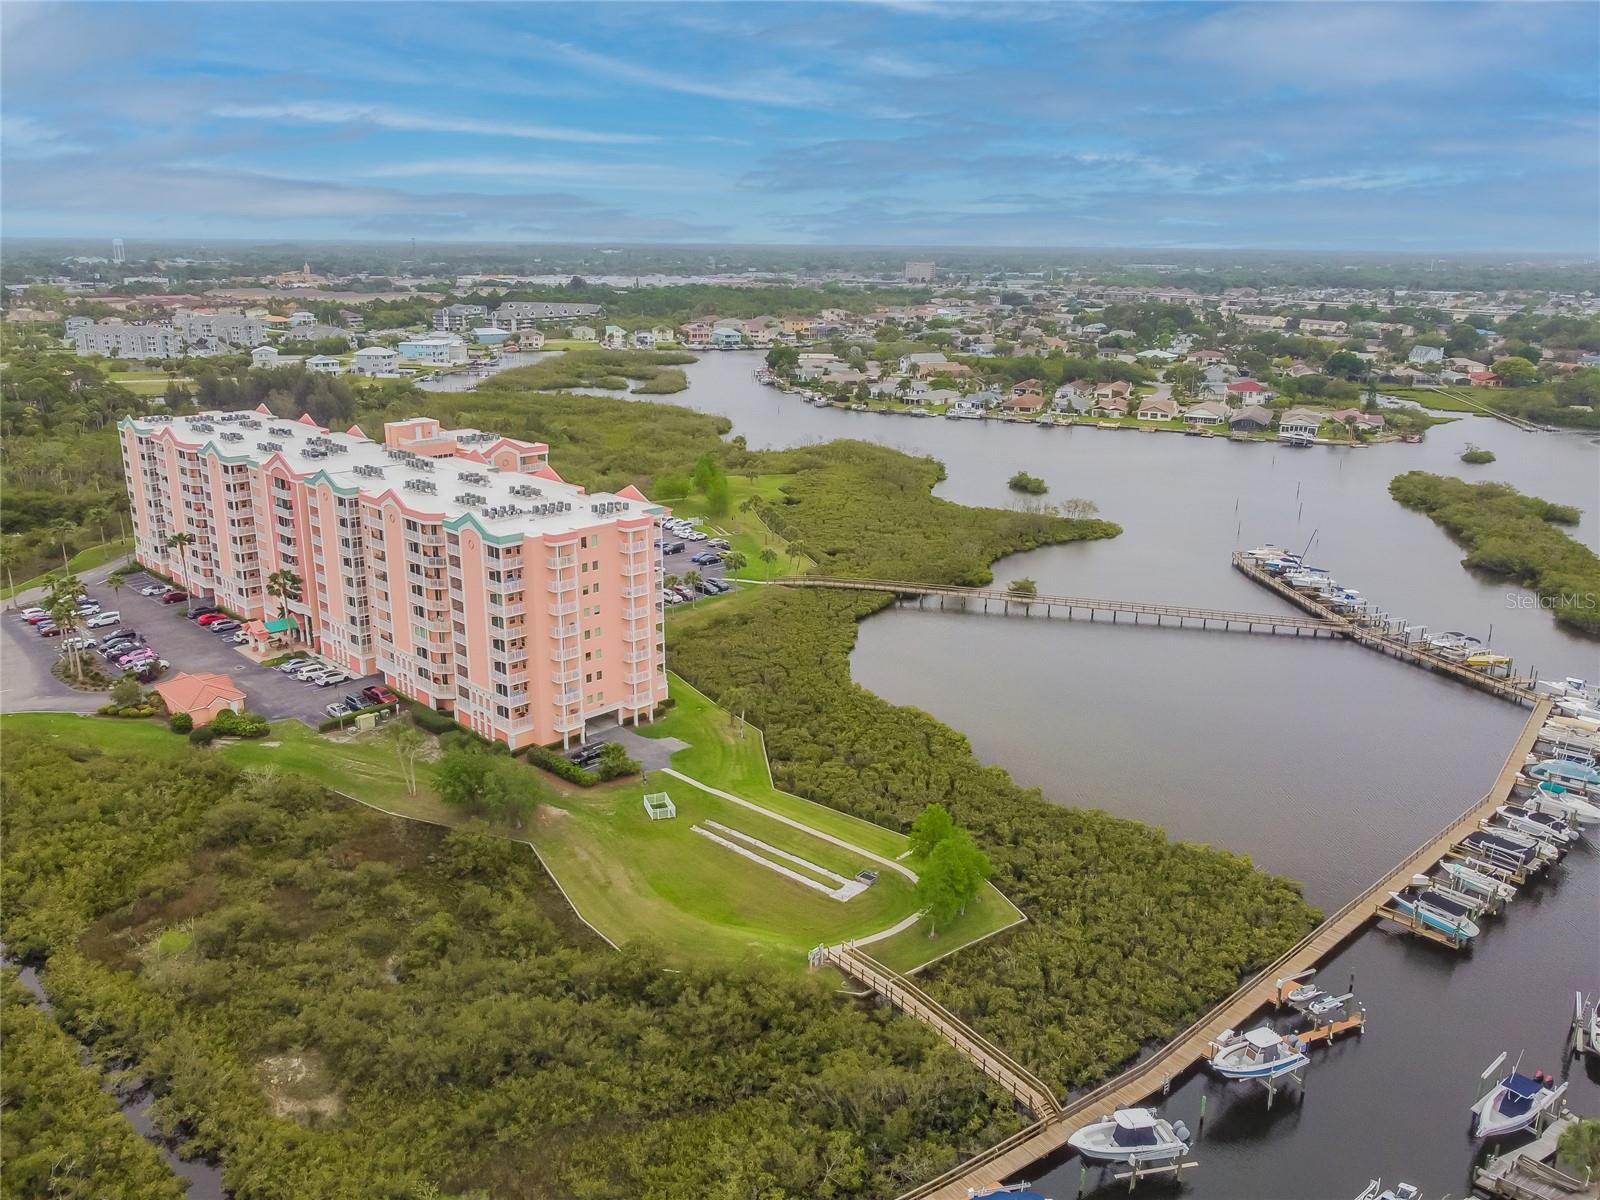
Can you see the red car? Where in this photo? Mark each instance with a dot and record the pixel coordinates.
(174, 597)
(210, 618)
(48, 629)
(379, 694)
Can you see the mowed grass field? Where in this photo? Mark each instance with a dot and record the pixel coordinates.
(634, 879)
(745, 531)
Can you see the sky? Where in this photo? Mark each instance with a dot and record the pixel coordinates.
(1428, 127)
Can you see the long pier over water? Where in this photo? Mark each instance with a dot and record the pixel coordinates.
(1050, 1133)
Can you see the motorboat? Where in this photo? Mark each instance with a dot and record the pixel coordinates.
(1000, 1191)
(1541, 825)
(1262, 1053)
(1492, 850)
(1261, 553)
(1572, 706)
(1544, 851)
(1575, 810)
(1467, 878)
(1328, 1007)
(1400, 1191)
(1515, 1103)
(1131, 1135)
(1571, 686)
(1427, 906)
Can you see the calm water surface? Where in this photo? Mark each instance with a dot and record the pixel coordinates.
(1323, 761)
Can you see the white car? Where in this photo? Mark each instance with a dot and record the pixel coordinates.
(32, 612)
(78, 643)
(694, 535)
(105, 618)
(155, 590)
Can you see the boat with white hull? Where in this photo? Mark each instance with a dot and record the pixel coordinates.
(1430, 907)
(1467, 878)
(1575, 810)
(1499, 852)
(1262, 1053)
(1515, 1103)
(1131, 1135)
(1400, 1191)
(1537, 824)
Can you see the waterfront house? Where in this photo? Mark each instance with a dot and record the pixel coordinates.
(660, 335)
(1117, 389)
(954, 370)
(437, 349)
(1299, 425)
(1074, 396)
(615, 338)
(912, 364)
(531, 339)
(696, 335)
(1114, 406)
(1425, 354)
(1026, 398)
(1207, 412)
(264, 357)
(644, 339)
(1249, 389)
(1252, 418)
(1158, 408)
(728, 337)
(1356, 418)
(986, 399)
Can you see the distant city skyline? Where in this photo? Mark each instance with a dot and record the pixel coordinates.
(1413, 128)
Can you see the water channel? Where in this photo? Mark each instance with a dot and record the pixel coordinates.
(1323, 761)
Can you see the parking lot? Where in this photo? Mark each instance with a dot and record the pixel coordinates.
(680, 564)
(186, 645)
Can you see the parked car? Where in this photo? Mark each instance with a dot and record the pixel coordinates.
(204, 610)
(707, 558)
(48, 629)
(293, 665)
(708, 587)
(719, 586)
(239, 639)
(36, 616)
(684, 593)
(673, 548)
(174, 597)
(149, 670)
(331, 679)
(355, 702)
(136, 657)
(155, 589)
(718, 544)
(227, 625)
(210, 618)
(337, 709)
(103, 618)
(79, 642)
(670, 598)
(378, 694)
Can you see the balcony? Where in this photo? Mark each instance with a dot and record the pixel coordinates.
(638, 678)
(564, 655)
(559, 562)
(568, 696)
(637, 592)
(633, 567)
(562, 585)
(637, 612)
(515, 609)
(563, 609)
(569, 724)
(563, 631)
(563, 677)
(636, 656)
(637, 635)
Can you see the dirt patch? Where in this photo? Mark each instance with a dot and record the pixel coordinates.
(548, 814)
(115, 939)
(299, 1087)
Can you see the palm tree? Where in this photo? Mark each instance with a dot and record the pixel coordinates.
(735, 560)
(65, 591)
(117, 580)
(284, 586)
(769, 556)
(63, 530)
(181, 543)
(98, 516)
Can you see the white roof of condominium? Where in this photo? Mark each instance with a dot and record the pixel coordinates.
(500, 502)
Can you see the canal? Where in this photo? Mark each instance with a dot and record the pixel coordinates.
(1323, 761)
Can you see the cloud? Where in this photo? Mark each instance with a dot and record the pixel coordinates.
(323, 112)
(34, 138)
(653, 176)
(778, 86)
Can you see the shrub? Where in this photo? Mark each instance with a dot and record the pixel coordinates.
(1032, 484)
(1476, 456)
(202, 735)
(245, 725)
(543, 756)
(125, 692)
(180, 723)
(431, 719)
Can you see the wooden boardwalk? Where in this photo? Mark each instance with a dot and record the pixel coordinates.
(1050, 1133)
(1031, 1091)
(1081, 607)
(1518, 691)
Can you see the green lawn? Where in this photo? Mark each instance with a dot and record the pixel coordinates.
(744, 530)
(633, 878)
(1429, 398)
(83, 560)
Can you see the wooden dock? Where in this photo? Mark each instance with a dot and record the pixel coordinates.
(1049, 1134)
(1528, 1172)
(1000, 601)
(1518, 691)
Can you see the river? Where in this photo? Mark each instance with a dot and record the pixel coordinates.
(1323, 761)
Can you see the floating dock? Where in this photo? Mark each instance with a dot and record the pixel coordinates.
(1529, 1172)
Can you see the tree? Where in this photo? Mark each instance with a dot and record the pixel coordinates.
(64, 593)
(1024, 587)
(459, 777)
(64, 531)
(181, 542)
(782, 359)
(736, 700)
(407, 742)
(1185, 379)
(1345, 364)
(117, 580)
(488, 785)
(769, 556)
(1579, 1146)
(1079, 509)
(735, 560)
(126, 692)
(1514, 372)
(932, 826)
(938, 890)
(284, 586)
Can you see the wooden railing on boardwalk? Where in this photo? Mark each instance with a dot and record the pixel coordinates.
(907, 996)
(1518, 691)
(1080, 606)
(1026, 1147)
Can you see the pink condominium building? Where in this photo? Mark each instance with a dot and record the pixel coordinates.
(455, 562)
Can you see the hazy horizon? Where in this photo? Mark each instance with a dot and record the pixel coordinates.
(1418, 129)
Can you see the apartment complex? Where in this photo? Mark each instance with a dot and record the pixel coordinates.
(455, 562)
(519, 315)
(119, 339)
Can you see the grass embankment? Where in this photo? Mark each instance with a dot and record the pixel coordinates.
(654, 372)
(1516, 536)
(743, 528)
(1536, 403)
(634, 879)
(84, 560)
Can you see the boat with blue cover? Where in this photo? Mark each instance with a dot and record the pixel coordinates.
(1577, 777)
(1131, 1135)
(1515, 1103)
(1428, 906)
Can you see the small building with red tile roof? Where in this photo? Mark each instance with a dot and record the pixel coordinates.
(202, 696)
